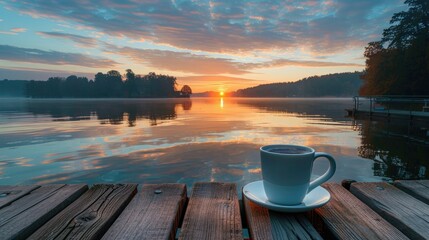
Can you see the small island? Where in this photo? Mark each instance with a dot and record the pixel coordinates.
(105, 85)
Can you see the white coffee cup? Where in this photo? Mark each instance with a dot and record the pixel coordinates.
(286, 172)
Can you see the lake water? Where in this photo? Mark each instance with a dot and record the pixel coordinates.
(198, 139)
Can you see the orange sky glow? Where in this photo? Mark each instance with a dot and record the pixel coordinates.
(209, 45)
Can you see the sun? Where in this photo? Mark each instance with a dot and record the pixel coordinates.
(221, 94)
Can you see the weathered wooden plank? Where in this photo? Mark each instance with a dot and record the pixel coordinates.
(89, 216)
(23, 216)
(416, 188)
(213, 212)
(405, 212)
(345, 217)
(265, 224)
(153, 214)
(9, 194)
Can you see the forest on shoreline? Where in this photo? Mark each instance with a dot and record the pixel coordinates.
(105, 85)
(330, 85)
(398, 64)
(153, 85)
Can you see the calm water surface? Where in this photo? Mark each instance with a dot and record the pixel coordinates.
(189, 140)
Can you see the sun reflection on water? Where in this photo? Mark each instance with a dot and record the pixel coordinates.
(166, 140)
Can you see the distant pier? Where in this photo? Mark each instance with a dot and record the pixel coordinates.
(411, 108)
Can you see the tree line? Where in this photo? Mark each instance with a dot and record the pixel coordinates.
(331, 85)
(398, 64)
(108, 85)
(13, 88)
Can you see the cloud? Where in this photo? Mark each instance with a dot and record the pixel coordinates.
(18, 30)
(202, 64)
(7, 33)
(320, 27)
(300, 63)
(81, 40)
(18, 54)
(22, 73)
(179, 61)
(13, 31)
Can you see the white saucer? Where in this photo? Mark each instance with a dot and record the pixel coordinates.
(255, 192)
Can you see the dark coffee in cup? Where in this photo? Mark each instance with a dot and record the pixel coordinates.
(289, 150)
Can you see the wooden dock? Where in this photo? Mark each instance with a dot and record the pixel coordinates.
(415, 109)
(213, 211)
(415, 116)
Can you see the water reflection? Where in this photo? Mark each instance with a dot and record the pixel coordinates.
(174, 164)
(189, 140)
(108, 111)
(399, 149)
(331, 108)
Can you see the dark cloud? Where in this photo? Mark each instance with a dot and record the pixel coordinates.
(201, 64)
(81, 40)
(18, 54)
(38, 74)
(321, 26)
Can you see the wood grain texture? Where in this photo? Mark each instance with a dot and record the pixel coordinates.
(416, 188)
(213, 212)
(345, 217)
(405, 212)
(265, 224)
(89, 216)
(151, 215)
(8, 194)
(23, 216)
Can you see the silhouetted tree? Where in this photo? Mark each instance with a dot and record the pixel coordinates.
(186, 91)
(398, 64)
(130, 84)
(13, 88)
(53, 87)
(76, 87)
(101, 87)
(161, 85)
(106, 85)
(114, 83)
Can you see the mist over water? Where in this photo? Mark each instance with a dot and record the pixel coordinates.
(197, 139)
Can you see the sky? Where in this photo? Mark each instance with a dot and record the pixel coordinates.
(209, 45)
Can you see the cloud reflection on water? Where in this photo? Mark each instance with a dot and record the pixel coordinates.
(192, 140)
(183, 163)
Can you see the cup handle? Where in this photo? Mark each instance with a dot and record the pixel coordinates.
(327, 175)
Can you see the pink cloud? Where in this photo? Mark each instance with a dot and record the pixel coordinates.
(322, 27)
(202, 64)
(18, 30)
